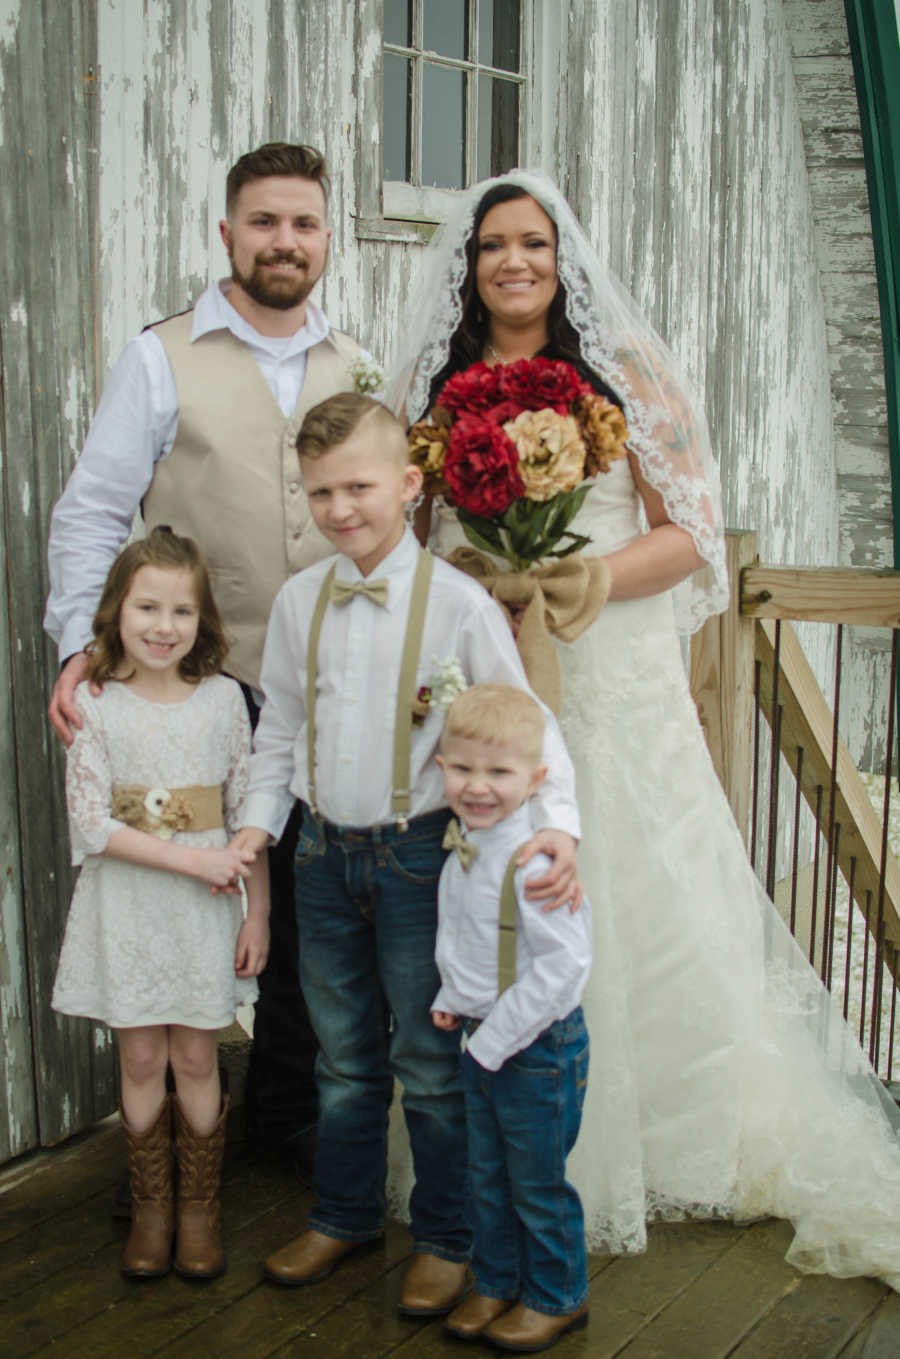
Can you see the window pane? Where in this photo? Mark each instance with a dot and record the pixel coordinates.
(445, 27)
(398, 22)
(498, 126)
(498, 34)
(443, 124)
(397, 86)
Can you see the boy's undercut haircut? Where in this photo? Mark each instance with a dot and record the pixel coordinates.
(498, 714)
(333, 421)
(290, 159)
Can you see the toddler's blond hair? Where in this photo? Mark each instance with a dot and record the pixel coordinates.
(498, 714)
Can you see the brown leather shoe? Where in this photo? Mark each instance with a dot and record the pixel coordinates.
(310, 1257)
(526, 1331)
(431, 1286)
(148, 1250)
(469, 1319)
(198, 1239)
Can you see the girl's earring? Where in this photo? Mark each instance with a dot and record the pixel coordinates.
(412, 505)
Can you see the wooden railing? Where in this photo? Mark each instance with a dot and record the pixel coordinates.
(749, 661)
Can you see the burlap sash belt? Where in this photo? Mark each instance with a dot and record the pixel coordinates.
(163, 811)
(562, 599)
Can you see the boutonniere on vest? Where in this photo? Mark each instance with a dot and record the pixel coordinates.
(445, 683)
(366, 376)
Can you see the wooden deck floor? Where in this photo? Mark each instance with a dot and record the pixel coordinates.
(702, 1291)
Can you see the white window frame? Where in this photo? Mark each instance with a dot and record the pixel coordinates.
(388, 210)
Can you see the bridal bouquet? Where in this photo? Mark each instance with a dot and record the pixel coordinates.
(512, 448)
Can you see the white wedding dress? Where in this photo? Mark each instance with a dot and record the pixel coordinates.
(723, 1080)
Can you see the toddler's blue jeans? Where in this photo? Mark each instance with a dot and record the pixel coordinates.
(367, 918)
(522, 1123)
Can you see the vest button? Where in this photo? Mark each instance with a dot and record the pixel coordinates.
(294, 487)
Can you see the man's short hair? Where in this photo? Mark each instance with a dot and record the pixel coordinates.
(498, 714)
(333, 421)
(276, 158)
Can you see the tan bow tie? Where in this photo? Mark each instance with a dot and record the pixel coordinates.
(342, 591)
(454, 839)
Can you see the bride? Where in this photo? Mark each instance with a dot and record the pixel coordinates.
(723, 1080)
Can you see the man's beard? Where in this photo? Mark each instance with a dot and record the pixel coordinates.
(281, 294)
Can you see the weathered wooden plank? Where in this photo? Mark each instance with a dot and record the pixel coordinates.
(815, 1320)
(823, 594)
(628, 1296)
(35, 1189)
(880, 1339)
(88, 1305)
(731, 1297)
(271, 1317)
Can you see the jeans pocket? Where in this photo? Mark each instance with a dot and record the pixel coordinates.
(310, 841)
(535, 1061)
(418, 861)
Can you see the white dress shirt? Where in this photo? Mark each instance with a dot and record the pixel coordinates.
(553, 948)
(359, 654)
(134, 426)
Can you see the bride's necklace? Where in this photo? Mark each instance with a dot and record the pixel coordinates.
(494, 353)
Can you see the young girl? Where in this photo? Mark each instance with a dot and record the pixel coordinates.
(155, 945)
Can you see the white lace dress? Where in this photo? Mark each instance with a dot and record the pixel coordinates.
(722, 1081)
(143, 945)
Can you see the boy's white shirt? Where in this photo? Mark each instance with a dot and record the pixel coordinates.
(553, 948)
(360, 648)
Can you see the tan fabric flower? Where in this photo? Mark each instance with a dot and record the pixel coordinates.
(427, 449)
(551, 452)
(604, 432)
(177, 812)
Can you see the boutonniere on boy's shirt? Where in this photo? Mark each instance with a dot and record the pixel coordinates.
(445, 683)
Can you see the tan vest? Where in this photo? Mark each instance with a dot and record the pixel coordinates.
(232, 479)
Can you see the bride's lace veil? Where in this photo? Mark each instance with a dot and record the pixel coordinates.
(667, 429)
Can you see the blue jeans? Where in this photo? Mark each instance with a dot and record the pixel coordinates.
(523, 1121)
(367, 916)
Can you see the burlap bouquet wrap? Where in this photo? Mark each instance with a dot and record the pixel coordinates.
(560, 599)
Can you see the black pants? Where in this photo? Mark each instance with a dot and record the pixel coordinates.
(281, 1089)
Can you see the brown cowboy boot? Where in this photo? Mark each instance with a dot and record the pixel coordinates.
(148, 1250)
(198, 1243)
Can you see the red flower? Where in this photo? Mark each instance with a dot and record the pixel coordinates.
(503, 411)
(473, 391)
(541, 384)
(482, 467)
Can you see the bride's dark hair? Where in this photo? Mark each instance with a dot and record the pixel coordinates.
(468, 340)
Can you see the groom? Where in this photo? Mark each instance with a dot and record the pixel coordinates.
(197, 426)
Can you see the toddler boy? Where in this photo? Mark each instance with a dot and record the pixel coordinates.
(512, 976)
(346, 727)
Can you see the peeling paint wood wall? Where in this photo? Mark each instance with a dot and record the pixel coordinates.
(673, 127)
(58, 1073)
(829, 113)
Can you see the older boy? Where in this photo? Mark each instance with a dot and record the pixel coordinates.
(513, 976)
(352, 642)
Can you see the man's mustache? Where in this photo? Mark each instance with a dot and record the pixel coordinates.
(298, 260)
